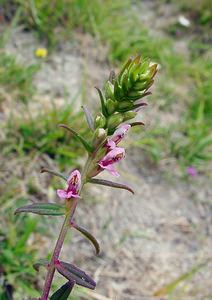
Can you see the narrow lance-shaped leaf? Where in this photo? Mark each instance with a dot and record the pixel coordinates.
(40, 263)
(87, 146)
(139, 104)
(104, 110)
(64, 291)
(71, 272)
(49, 209)
(89, 117)
(43, 170)
(136, 124)
(126, 65)
(88, 235)
(111, 184)
(112, 76)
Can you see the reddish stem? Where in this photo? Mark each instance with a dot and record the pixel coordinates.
(57, 250)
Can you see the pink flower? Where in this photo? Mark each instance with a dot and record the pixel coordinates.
(74, 182)
(192, 171)
(112, 157)
(117, 136)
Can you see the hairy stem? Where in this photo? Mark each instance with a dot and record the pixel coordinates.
(71, 205)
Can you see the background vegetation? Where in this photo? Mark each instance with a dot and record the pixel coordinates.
(184, 88)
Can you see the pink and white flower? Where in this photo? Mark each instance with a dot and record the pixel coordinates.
(112, 157)
(118, 135)
(74, 183)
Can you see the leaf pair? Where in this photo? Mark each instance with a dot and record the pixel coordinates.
(74, 276)
(72, 273)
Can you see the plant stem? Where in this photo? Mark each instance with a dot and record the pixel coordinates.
(56, 253)
(57, 250)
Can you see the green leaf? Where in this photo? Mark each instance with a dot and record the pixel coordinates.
(104, 110)
(87, 146)
(112, 76)
(40, 263)
(89, 236)
(111, 184)
(49, 209)
(89, 117)
(126, 65)
(64, 291)
(54, 173)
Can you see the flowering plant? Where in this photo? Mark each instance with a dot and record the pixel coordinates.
(121, 99)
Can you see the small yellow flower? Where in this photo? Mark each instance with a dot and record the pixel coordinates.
(41, 52)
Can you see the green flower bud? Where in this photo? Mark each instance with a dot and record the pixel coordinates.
(100, 121)
(109, 90)
(111, 106)
(129, 115)
(100, 135)
(134, 80)
(125, 105)
(114, 120)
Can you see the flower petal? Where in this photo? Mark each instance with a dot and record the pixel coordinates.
(69, 194)
(110, 144)
(112, 157)
(62, 194)
(111, 170)
(74, 180)
(120, 133)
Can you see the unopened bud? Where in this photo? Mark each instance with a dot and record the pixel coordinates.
(100, 135)
(109, 90)
(115, 120)
(111, 106)
(125, 105)
(129, 115)
(100, 121)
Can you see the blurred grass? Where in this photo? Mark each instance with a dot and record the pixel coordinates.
(171, 288)
(40, 134)
(17, 249)
(16, 79)
(201, 9)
